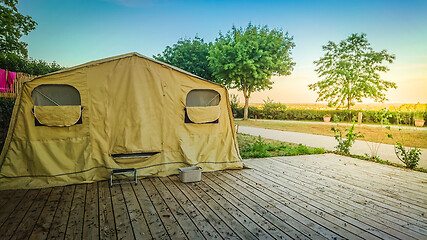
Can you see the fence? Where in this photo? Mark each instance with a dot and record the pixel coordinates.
(17, 84)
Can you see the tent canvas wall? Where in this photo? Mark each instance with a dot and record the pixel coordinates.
(130, 111)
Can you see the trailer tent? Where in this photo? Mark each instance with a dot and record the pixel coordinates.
(129, 111)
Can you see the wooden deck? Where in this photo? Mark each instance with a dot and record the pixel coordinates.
(306, 197)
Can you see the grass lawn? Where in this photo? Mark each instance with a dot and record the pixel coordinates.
(257, 147)
(411, 137)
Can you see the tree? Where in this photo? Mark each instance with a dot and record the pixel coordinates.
(16, 63)
(351, 71)
(13, 25)
(246, 59)
(190, 55)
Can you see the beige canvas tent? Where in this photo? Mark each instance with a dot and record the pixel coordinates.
(78, 124)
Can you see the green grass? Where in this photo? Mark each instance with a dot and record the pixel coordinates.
(258, 147)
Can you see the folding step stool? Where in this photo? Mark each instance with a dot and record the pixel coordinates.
(122, 172)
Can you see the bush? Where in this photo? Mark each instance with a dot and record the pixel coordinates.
(272, 110)
(6, 108)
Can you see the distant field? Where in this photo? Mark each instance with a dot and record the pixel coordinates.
(318, 106)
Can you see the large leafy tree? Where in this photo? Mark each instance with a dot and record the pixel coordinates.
(13, 25)
(190, 55)
(351, 71)
(246, 58)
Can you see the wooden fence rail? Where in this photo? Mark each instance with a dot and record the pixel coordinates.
(17, 84)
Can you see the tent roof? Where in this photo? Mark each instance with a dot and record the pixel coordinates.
(109, 59)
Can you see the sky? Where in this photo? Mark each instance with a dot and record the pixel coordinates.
(73, 32)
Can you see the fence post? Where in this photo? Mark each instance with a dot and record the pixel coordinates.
(359, 118)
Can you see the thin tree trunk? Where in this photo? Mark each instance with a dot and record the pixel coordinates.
(247, 95)
(245, 113)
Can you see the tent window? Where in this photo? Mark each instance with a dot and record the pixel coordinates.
(202, 106)
(55, 95)
(56, 105)
(202, 98)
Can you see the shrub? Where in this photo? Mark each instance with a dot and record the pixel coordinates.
(6, 108)
(344, 145)
(409, 156)
(272, 110)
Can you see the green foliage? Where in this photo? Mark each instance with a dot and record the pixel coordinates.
(257, 147)
(6, 108)
(409, 156)
(189, 55)
(272, 110)
(246, 58)
(406, 118)
(383, 116)
(15, 63)
(234, 103)
(14, 25)
(344, 144)
(351, 71)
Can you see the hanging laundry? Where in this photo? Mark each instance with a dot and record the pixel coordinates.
(10, 78)
(3, 81)
(6, 80)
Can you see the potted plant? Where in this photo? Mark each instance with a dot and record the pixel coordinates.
(327, 118)
(419, 119)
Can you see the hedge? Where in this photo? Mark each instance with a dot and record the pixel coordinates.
(369, 116)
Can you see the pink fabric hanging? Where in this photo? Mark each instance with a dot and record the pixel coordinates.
(3, 81)
(10, 78)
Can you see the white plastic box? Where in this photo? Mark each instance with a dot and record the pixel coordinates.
(190, 174)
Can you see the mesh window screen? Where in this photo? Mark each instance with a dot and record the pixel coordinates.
(55, 95)
(202, 98)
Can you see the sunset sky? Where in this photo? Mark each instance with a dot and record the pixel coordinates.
(72, 32)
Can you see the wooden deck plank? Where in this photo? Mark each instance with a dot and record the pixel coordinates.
(15, 198)
(29, 220)
(107, 225)
(5, 196)
(226, 216)
(153, 220)
(225, 231)
(344, 190)
(189, 228)
(91, 214)
(378, 183)
(75, 221)
(313, 197)
(172, 226)
(351, 221)
(200, 222)
(343, 174)
(370, 216)
(60, 220)
(41, 229)
(390, 203)
(121, 214)
(15, 218)
(139, 225)
(276, 217)
(297, 212)
(258, 215)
